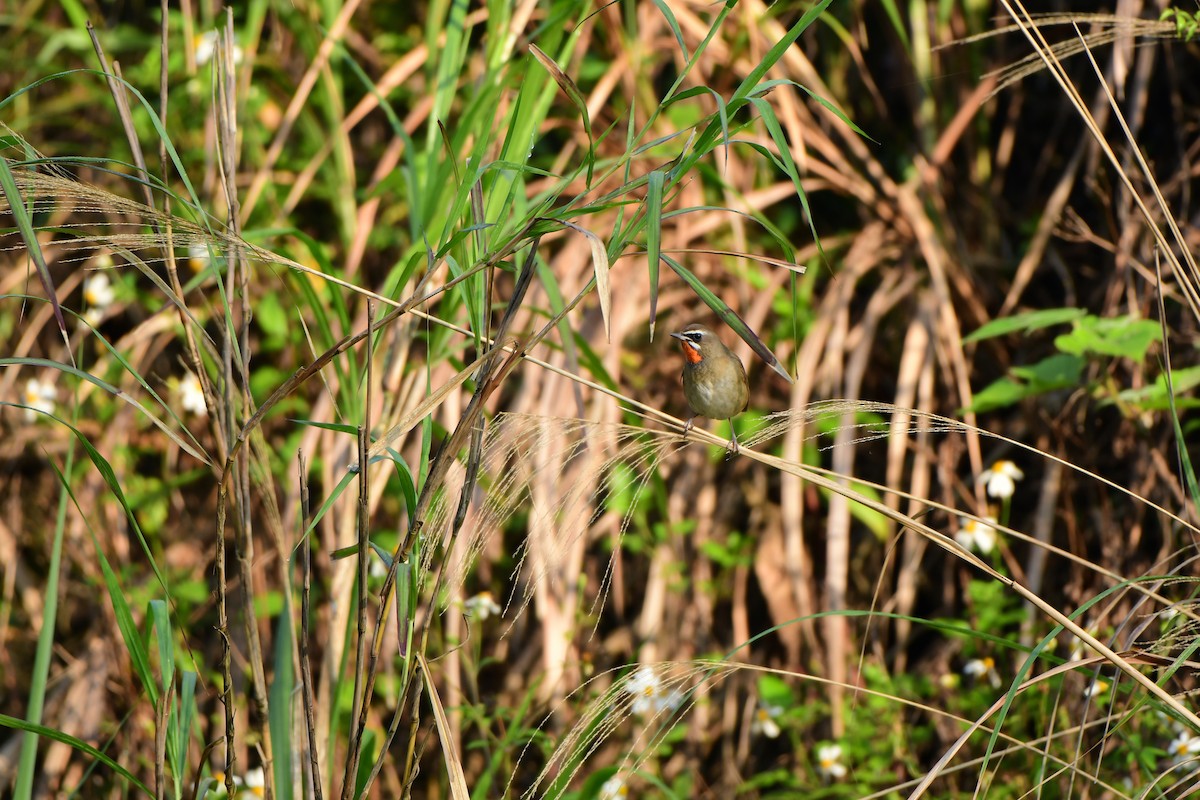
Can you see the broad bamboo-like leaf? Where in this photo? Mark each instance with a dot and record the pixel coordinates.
(789, 166)
(600, 267)
(572, 91)
(729, 317)
(454, 770)
(654, 200)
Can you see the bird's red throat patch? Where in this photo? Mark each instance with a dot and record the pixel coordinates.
(691, 353)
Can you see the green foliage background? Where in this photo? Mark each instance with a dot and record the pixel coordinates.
(420, 261)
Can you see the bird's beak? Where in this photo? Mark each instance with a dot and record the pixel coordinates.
(679, 336)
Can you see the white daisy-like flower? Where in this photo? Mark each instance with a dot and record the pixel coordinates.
(1000, 479)
(1184, 747)
(214, 787)
(206, 48)
(252, 784)
(376, 569)
(829, 762)
(649, 696)
(481, 606)
(198, 258)
(978, 669)
(764, 720)
(98, 294)
(978, 536)
(1078, 650)
(191, 395)
(613, 789)
(39, 397)
(255, 782)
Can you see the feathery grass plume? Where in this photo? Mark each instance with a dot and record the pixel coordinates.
(561, 471)
(1104, 29)
(674, 685)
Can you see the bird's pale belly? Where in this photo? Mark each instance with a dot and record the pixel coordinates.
(705, 402)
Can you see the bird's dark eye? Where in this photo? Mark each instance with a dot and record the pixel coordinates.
(693, 336)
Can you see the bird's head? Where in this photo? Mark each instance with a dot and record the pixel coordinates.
(697, 341)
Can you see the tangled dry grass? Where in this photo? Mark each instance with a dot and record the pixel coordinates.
(413, 259)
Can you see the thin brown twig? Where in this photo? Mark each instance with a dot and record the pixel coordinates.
(306, 679)
(362, 684)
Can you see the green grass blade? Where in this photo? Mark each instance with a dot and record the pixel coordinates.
(26, 769)
(776, 52)
(280, 703)
(24, 221)
(78, 744)
(161, 621)
(577, 99)
(789, 166)
(654, 209)
(181, 726)
(108, 387)
(673, 24)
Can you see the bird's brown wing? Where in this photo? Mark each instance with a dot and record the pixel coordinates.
(742, 368)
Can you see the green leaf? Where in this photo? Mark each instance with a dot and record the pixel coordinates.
(750, 83)
(161, 617)
(773, 690)
(837, 112)
(595, 782)
(1028, 322)
(669, 16)
(999, 394)
(82, 746)
(408, 483)
(24, 219)
(272, 318)
(1157, 397)
(1123, 337)
(1059, 371)
(654, 201)
(181, 724)
(280, 721)
(114, 391)
(572, 91)
(138, 655)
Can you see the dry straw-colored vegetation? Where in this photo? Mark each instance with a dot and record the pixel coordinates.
(351, 453)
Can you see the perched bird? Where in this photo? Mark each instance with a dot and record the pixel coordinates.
(714, 380)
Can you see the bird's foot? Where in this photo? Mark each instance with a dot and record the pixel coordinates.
(688, 426)
(733, 449)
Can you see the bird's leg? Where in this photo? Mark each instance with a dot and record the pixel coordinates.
(733, 448)
(688, 427)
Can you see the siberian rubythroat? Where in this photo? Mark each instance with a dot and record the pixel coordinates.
(714, 380)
